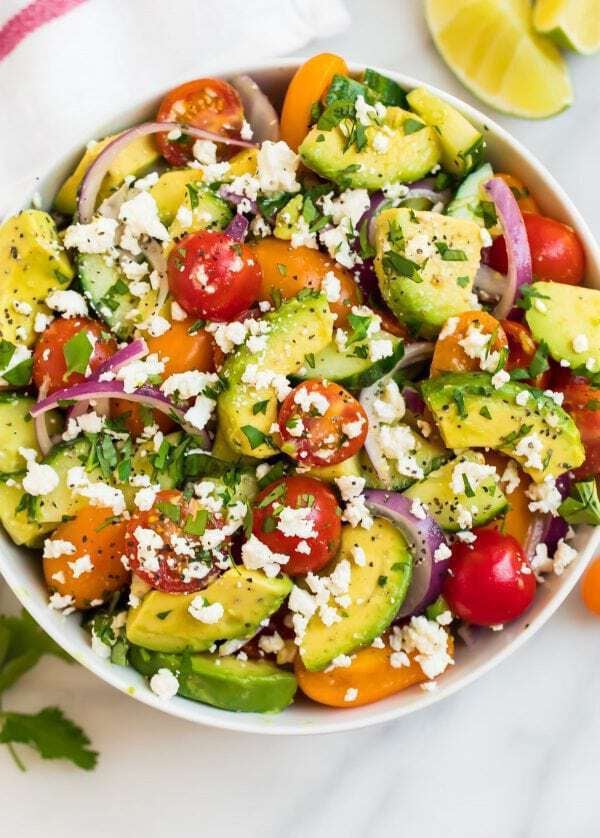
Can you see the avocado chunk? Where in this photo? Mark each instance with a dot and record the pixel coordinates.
(471, 413)
(137, 158)
(462, 145)
(251, 686)
(286, 220)
(62, 501)
(347, 468)
(208, 212)
(18, 524)
(18, 431)
(300, 325)
(33, 263)
(408, 156)
(484, 500)
(425, 264)
(170, 191)
(567, 319)
(162, 622)
(353, 367)
(377, 590)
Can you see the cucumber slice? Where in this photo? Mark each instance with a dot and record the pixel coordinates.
(467, 201)
(462, 144)
(349, 368)
(209, 212)
(443, 503)
(226, 682)
(107, 290)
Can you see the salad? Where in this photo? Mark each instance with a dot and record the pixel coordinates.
(295, 402)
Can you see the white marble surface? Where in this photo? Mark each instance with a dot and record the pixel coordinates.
(514, 756)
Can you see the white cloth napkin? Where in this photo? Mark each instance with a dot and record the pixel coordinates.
(67, 66)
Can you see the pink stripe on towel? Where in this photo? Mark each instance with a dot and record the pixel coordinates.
(26, 21)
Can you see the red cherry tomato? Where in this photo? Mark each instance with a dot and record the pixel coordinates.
(521, 349)
(321, 424)
(49, 362)
(582, 402)
(490, 581)
(168, 519)
(556, 252)
(323, 515)
(211, 104)
(212, 276)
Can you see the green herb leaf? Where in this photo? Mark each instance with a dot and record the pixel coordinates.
(272, 496)
(170, 510)
(450, 254)
(459, 401)
(20, 374)
(334, 113)
(411, 126)
(485, 412)
(24, 644)
(528, 295)
(78, 351)
(254, 436)
(583, 505)
(396, 264)
(7, 350)
(260, 407)
(51, 734)
(197, 524)
(282, 268)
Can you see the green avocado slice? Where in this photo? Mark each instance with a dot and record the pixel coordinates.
(244, 686)
(377, 590)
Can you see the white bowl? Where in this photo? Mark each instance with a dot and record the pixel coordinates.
(20, 567)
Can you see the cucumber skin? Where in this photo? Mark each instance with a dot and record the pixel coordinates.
(357, 380)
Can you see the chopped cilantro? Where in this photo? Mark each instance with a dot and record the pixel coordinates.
(170, 510)
(254, 436)
(411, 126)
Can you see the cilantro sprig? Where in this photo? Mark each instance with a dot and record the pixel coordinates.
(49, 731)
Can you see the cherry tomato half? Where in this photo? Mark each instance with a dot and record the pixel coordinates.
(490, 581)
(556, 252)
(582, 402)
(166, 565)
(321, 521)
(49, 361)
(213, 276)
(211, 104)
(521, 349)
(450, 356)
(321, 424)
(520, 191)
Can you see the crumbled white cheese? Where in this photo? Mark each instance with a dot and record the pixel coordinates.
(57, 547)
(580, 344)
(276, 167)
(164, 684)
(563, 557)
(203, 612)
(136, 373)
(296, 522)
(205, 152)
(473, 473)
(350, 487)
(418, 509)
(510, 478)
(545, 496)
(530, 448)
(265, 379)
(81, 565)
(351, 694)
(442, 552)
(500, 378)
(68, 303)
(257, 556)
(96, 237)
(189, 384)
(332, 287)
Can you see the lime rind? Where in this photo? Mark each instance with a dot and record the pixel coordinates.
(571, 24)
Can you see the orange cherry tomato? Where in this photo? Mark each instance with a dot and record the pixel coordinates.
(517, 519)
(180, 351)
(96, 533)
(582, 402)
(287, 270)
(211, 104)
(590, 587)
(370, 673)
(520, 191)
(449, 355)
(49, 362)
(308, 85)
(321, 424)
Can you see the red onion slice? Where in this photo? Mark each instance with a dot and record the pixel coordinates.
(134, 351)
(489, 284)
(90, 185)
(517, 244)
(237, 228)
(546, 528)
(258, 109)
(227, 193)
(424, 537)
(148, 396)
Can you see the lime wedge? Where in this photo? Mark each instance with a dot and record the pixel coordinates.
(574, 24)
(493, 49)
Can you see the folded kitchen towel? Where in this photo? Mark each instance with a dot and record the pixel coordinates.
(68, 66)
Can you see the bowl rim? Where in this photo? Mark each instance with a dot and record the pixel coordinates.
(247, 723)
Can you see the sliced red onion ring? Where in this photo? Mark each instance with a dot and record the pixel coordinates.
(228, 194)
(258, 109)
(546, 528)
(413, 401)
(489, 284)
(517, 244)
(378, 203)
(424, 537)
(425, 188)
(94, 176)
(154, 253)
(237, 227)
(148, 396)
(132, 352)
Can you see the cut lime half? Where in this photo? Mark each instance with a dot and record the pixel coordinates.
(574, 24)
(493, 49)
